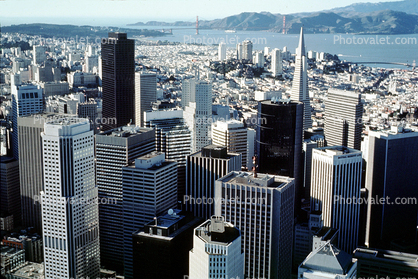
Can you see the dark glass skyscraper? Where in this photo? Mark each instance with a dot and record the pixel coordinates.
(118, 80)
(279, 140)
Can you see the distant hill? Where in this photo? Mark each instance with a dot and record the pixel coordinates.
(406, 6)
(363, 18)
(66, 31)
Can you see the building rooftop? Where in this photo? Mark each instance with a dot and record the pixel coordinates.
(387, 255)
(262, 180)
(217, 231)
(125, 131)
(30, 270)
(338, 150)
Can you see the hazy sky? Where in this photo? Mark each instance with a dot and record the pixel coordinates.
(128, 11)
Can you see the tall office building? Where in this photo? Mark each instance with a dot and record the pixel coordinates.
(31, 166)
(198, 114)
(276, 62)
(114, 150)
(236, 138)
(118, 80)
(145, 95)
(216, 251)
(188, 91)
(222, 51)
(70, 222)
(259, 59)
(300, 82)
(26, 100)
(392, 174)
(279, 141)
(38, 54)
(10, 189)
(173, 137)
(343, 118)
(161, 248)
(149, 189)
(262, 209)
(202, 169)
(328, 262)
(335, 190)
(308, 145)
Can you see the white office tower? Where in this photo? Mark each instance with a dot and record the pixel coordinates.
(236, 138)
(216, 251)
(145, 95)
(70, 217)
(261, 207)
(300, 82)
(149, 189)
(38, 54)
(343, 118)
(276, 62)
(328, 262)
(91, 64)
(222, 51)
(91, 50)
(335, 190)
(26, 100)
(239, 51)
(198, 114)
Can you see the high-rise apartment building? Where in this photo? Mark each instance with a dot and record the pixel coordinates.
(38, 54)
(245, 51)
(343, 118)
(70, 221)
(276, 62)
(300, 82)
(149, 189)
(145, 95)
(392, 175)
(335, 190)
(222, 51)
(216, 251)
(261, 206)
(118, 80)
(202, 170)
(115, 149)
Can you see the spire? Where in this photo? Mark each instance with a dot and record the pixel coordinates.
(301, 47)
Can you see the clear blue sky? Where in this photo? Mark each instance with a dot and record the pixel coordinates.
(103, 12)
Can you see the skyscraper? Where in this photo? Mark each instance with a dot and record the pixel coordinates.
(216, 250)
(335, 190)
(276, 62)
(26, 100)
(392, 175)
(198, 114)
(236, 138)
(202, 169)
(38, 54)
(262, 209)
(173, 137)
(343, 118)
(246, 51)
(9, 189)
(188, 91)
(70, 222)
(161, 248)
(149, 189)
(222, 51)
(114, 150)
(300, 82)
(31, 166)
(145, 95)
(118, 80)
(279, 141)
